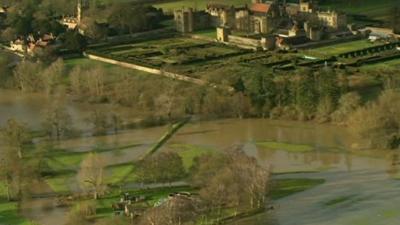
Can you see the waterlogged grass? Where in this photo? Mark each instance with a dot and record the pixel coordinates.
(9, 214)
(284, 187)
(344, 201)
(189, 152)
(340, 199)
(271, 145)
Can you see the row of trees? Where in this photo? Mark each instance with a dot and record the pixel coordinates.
(42, 16)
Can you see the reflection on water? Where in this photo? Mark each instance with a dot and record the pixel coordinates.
(367, 178)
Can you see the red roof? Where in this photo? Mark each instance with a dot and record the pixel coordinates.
(260, 7)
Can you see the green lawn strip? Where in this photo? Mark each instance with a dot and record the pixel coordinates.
(375, 9)
(64, 159)
(197, 4)
(391, 64)
(189, 152)
(281, 188)
(9, 214)
(211, 33)
(60, 183)
(336, 49)
(122, 173)
(297, 148)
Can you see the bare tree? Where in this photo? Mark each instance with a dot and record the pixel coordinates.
(91, 175)
(57, 122)
(16, 135)
(52, 75)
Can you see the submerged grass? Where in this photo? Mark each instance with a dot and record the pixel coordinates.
(271, 145)
(284, 187)
(338, 200)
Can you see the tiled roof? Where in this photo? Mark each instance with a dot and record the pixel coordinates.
(260, 7)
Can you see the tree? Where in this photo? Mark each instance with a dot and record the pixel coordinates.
(52, 76)
(379, 122)
(93, 29)
(10, 171)
(126, 17)
(57, 122)
(176, 211)
(91, 175)
(305, 94)
(74, 41)
(395, 19)
(99, 120)
(5, 70)
(164, 167)
(79, 213)
(236, 181)
(16, 135)
(348, 103)
(26, 76)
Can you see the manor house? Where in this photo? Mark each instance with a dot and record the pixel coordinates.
(261, 17)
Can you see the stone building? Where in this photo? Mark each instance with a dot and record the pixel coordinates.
(332, 19)
(222, 15)
(73, 22)
(189, 20)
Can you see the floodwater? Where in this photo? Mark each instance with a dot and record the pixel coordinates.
(362, 186)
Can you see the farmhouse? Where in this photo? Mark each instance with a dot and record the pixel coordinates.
(30, 44)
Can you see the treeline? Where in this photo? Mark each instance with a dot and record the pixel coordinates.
(26, 17)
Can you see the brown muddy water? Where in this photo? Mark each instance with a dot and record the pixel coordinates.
(361, 184)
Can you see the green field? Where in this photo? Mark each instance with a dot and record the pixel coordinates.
(188, 152)
(340, 48)
(197, 4)
(9, 214)
(374, 9)
(211, 33)
(388, 65)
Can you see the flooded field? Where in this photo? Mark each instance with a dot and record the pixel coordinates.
(359, 189)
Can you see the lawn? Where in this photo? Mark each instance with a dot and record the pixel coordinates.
(189, 152)
(336, 49)
(197, 4)
(86, 63)
(212, 33)
(296, 148)
(371, 8)
(9, 214)
(392, 64)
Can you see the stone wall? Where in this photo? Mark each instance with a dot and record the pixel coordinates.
(145, 69)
